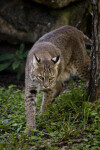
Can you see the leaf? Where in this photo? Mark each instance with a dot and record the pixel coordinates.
(15, 124)
(15, 64)
(19, 75)
(22, 47)
(4, 66)
(6, 57)
(5, 121)
(25, 54)
(35, 138)
(19, 128)
(94, 113)
(90, 9)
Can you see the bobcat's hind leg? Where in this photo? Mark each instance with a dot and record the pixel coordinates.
(85, 72)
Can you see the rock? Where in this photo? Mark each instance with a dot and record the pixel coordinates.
(55, 3)
(26, 21)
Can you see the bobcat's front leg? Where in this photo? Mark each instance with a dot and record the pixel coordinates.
(30, 106)
(46, 100)
(49, 95)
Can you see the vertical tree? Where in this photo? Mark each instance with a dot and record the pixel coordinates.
(94, 89)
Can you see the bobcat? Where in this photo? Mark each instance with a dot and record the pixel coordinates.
(53, 59)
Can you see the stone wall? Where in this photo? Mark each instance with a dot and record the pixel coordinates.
(23, 21)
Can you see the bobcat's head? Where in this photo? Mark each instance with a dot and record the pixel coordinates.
(45, 64)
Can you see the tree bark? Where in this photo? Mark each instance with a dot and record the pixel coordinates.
(94, 88)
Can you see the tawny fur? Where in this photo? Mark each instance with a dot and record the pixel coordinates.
(53, 59)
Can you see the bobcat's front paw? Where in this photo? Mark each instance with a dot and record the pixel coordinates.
(42, 110)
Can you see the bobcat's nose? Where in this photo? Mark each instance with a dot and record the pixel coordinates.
(46, 85)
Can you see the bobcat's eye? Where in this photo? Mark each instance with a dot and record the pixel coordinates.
(41, 78)
(50, 79)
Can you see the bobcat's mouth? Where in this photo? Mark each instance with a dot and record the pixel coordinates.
(45, 89)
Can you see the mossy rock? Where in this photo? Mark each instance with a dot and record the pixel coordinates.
(26, 21)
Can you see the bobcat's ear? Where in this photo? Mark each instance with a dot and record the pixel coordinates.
(37, 59)
(55, 59)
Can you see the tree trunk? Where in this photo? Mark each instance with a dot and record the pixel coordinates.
(94, 89)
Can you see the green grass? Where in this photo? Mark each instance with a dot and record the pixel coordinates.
(71, 120)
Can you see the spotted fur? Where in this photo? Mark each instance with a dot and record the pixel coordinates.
(53, 59)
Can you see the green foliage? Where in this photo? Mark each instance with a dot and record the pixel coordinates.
(70, 120)
(16, 61)
(90, 9)
(4, 66)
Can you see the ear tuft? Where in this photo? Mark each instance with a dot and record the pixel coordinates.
(55, 59)
(37, 58)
